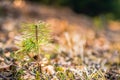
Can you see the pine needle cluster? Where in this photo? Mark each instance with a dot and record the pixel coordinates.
(34, 36)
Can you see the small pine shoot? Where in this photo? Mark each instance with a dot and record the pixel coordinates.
(34, 36)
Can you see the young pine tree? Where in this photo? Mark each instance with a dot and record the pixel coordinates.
(33, 37)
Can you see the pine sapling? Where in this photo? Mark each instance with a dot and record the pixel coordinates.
(33, 37)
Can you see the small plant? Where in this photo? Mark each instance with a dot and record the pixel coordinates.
(33, 37)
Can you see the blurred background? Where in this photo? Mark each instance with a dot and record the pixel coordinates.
(109, 8)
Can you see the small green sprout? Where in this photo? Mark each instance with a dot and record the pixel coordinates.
(33, 37)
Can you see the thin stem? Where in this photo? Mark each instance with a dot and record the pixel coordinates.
(36, 36)
(36, 33)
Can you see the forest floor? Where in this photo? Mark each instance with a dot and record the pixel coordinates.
(89, 48)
